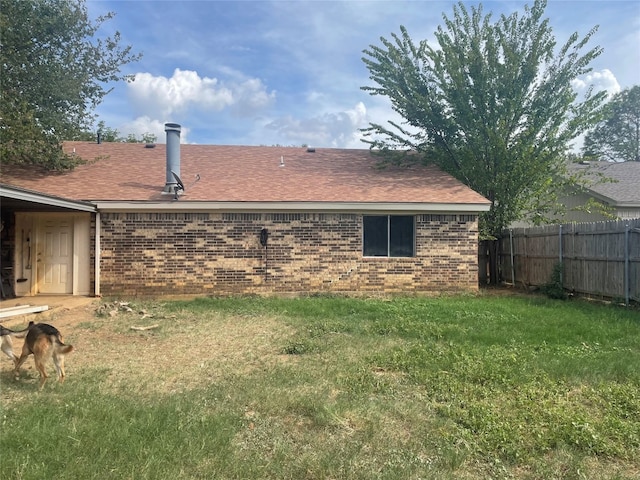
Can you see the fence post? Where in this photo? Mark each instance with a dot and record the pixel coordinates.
(627, 254)
(513, 270)
(560, 253)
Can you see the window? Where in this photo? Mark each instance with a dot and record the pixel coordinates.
(388, 236)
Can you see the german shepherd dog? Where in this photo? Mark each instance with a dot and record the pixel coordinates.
(45, 342)
(7, 344)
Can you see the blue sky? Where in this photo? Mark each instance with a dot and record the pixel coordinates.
(290, 72)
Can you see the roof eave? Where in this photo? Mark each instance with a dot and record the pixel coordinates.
(324, 207)
(626, 204)
(612, 201)
(30, 196)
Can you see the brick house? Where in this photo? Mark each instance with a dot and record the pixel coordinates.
(235, 220)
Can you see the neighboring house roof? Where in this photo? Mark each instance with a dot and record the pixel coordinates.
(130, 172)
(624, 187)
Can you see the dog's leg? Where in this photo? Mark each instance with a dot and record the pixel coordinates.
(59, 351)
(7, 348)
(26, 351)
(41, 366)
(58, 361)
(42, 351)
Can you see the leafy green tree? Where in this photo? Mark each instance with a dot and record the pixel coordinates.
(108, 134)
(144, 138)
(55, 71)
(491, 103)
(617, 137)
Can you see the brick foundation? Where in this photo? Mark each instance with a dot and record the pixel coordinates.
(152, 254)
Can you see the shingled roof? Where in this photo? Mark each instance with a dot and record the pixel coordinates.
(129, 172)
(624, 187)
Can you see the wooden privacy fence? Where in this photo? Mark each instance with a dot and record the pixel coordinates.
(598, 259)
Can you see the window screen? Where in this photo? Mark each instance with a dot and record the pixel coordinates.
(388, 236)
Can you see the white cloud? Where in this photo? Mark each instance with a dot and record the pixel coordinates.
(339, 130)
(161, 97)
(251, 96)
(603, 80)
(600, 80)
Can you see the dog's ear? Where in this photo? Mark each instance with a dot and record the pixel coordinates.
(31, 324)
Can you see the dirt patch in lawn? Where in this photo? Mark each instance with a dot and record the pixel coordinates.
(127, 347)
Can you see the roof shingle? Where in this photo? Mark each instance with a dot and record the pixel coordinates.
(624, 187)
(132, 172)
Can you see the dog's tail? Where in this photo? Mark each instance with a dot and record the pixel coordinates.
(16, 333)
(61, 348)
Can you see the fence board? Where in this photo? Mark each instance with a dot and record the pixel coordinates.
(599, 258)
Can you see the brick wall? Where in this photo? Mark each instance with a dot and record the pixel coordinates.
(220, 253)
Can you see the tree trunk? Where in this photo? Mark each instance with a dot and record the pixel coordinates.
(488, 264)
(482, 263)
(492, 248)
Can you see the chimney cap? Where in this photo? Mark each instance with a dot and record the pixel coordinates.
(171, 127)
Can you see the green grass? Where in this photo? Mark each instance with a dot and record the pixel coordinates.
(450, 387)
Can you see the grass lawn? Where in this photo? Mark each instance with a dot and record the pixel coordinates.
(459, 387)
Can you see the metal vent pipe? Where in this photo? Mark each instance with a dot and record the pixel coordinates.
(173, 155)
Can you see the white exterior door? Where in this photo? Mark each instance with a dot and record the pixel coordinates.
(54, 256)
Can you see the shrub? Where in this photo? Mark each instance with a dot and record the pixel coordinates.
(554, 289)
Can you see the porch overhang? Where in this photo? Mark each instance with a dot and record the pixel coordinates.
(20, 199)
